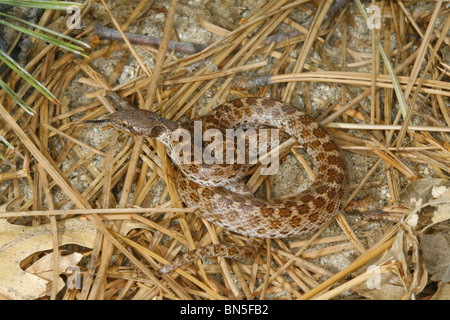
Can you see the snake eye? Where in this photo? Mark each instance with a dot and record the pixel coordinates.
(125, 123)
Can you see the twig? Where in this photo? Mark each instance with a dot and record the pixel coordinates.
(133, 51)
(191, 48)
(144, 40)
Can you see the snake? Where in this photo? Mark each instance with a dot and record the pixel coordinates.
(214, 191)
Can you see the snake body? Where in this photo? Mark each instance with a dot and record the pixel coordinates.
(243, 213)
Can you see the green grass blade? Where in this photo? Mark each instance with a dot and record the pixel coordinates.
(47, 4)
(28, 77)
(7, 143)
(59, 43)
(398, 90)
(57, 34)
(18, 99)
(9, 146)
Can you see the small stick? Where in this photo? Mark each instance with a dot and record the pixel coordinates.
(139, 39)
(191, 48)
(90, 121)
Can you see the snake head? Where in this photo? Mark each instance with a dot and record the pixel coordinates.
(142, 123)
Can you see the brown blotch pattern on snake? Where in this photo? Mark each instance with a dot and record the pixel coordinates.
(242, 214)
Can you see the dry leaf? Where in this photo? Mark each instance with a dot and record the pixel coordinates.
(443, 292)
(384, 286)
(430, 201)
(435, 252)
(389, 286)
(420, 190)
(18, 242)
(43, 268)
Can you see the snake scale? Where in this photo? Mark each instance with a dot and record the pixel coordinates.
(240, 212)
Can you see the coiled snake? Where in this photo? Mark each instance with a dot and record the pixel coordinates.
(240, 212)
